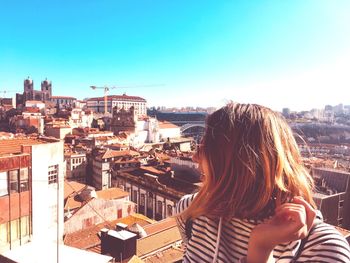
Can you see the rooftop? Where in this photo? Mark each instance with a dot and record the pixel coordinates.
(112, 193)
(118, 97)
(89, 239)
(167, 125)
(14, 145)
(63, 97)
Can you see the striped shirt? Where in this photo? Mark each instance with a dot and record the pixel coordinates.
(324, 244)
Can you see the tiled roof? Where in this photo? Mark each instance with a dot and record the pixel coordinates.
(63, 97)
(169, 255)
(161, 239)
(111, 193)
(167, 125)
(73, 203)
(71, 187)
(152, 170)
(111, 153)
(14, 145)
(160, 225)
(88, 238)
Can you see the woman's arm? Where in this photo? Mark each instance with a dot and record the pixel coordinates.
(292, 221)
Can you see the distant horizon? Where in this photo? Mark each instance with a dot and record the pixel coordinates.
(281, 54)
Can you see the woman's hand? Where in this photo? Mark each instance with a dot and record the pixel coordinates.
(292, 221)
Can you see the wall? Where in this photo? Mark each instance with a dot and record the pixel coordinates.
(45, 196)
(96, 211)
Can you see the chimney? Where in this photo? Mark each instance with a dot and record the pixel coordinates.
(119, 244)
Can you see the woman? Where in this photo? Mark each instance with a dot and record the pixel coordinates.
(255, 203)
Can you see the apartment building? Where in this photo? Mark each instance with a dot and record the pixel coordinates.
(31, 191)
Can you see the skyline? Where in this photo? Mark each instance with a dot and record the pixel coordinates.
(293, 54)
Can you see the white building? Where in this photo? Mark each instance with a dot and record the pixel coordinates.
(48, 170)
(121, 101)
(80, 118)
(64, 101)
(76, 166)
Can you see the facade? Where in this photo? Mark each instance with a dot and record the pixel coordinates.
(333, 195)
(107, 205)
(123, 120)
(119, 101)
(58, 132)
(102, 164)
(30, 118)
(76, 167)
(31, 191)
(42, 95)
(155, 192)
(64, 102)
(15, 201)
(80, 118)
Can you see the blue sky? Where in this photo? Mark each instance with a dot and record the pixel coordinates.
(290, 53)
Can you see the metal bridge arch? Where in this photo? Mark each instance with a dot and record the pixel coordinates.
(191, 125)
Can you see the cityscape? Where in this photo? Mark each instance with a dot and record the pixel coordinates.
(73, 170)
(103, 106)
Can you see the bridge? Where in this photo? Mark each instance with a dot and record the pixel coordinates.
(190, 124)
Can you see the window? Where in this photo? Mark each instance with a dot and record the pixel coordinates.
(4, 234)
(53, 173)
(134, 196)
(3, 184)
(150, 200)
(169, 209)
(14, 229)
(159, 207)
(23, 177)
(24, 226)
(142, 201)
(13, 181)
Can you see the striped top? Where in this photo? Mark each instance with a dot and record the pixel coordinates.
(324, 244)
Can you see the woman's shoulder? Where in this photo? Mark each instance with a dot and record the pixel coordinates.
(326, 242)
(184, 202)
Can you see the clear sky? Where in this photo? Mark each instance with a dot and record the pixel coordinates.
(283, 53)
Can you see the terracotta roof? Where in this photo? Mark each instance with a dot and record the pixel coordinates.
(73, 203)
(112, 193)
(111, 153)
(62, 97)
(14, 145)
(160, 225)
(152, 170)
(167, 125)
(172, 254)
(161, 239)
(88, 238)
(71, 187)
(119, 97)
(35, 101)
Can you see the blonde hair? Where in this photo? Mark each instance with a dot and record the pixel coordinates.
(253, 163)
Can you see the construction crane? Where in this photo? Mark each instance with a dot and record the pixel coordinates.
(107, 88)
(7, 91)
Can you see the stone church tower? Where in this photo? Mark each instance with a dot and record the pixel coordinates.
(46, 89)
(123, 120)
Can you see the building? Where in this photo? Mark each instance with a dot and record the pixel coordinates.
(31, 191)
(58, 131)
(31, 121)
(333, 195)
(120, 101)
(30, 94)
(64, 102)
(80, 118)
(76, 166)
(155, 191)
(102, 163)
(123, 120)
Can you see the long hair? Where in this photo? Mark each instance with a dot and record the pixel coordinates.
(252, 164)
